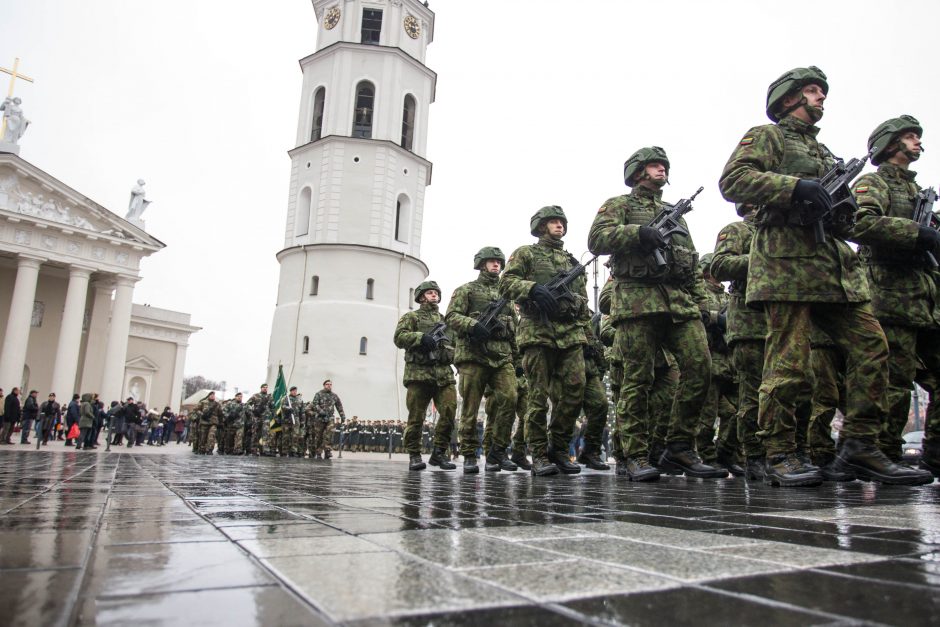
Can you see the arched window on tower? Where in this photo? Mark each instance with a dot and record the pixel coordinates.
(402, 218)
(314, 285)
(306, 344)
(362, 116)
(363, 345)
(319, 100)
(411, 298)
(408, 123)
(370, 287)
(304, 205)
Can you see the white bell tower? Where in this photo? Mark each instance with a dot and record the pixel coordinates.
(355, 205)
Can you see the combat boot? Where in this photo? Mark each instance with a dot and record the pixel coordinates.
(637, 469)
(681, 457)
(833, 469)
(754, 468)
(326, 455)
(726, 461)
(415, 463)
(591, 459)
(564, 464)
(439, 458)
(520, 460)
(506, 463)
(620, 467)
(804, 458)
(542, 466)
(869, 463)
(492, 463)
(931, 459)
(470, 465)
(786, 470)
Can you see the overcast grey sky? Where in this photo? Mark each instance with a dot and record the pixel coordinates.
(538, 102)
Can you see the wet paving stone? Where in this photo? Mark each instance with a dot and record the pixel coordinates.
(115, 539)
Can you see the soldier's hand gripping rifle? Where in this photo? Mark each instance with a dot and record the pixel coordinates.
(836, 183)
(489, 319)
(557, 286)
(667, 223)
(924, 216)
(439, 335)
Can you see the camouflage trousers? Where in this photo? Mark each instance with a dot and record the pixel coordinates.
(719, 407)
(828, 396)
(207, 438)
(748, 359)
(563, 368)
(417, 399)
(474, 380)
(596, 409)
(915, 355)
(322, 439)
(258, 434)
(662, 394)
(787, 382)
(282, 442)
(639, 341)
(227, 439)
(518, 438)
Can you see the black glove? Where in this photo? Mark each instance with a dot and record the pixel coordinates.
(428, 343)
(928, 238)
(479, 333)
(544, 299)
(705, 317)
(651, 239)
(520, 371)
(722, 322)
(814, 200)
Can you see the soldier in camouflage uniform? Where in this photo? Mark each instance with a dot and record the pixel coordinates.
(210, 417)
(260, 407)
(233, 413)
(428, 376)
(551, 338)
(319, 414)
(905, 284)
(484, 361)
(801, 283)
(746, 329)
(292, 409)
(595, 404)
(194, 430)
(828, 396)
(720, 402)
(654, 307)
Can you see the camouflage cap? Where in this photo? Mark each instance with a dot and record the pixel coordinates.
(887, 132)
(424, 287)
(796, 78)
(546, 213)
(638, 161)
(488, 252)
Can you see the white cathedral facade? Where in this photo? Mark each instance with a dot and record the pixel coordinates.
(352, 240)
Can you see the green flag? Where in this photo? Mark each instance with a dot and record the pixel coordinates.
(280, 392)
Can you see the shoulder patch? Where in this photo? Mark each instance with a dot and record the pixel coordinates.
(722, 237)
(603, 208)
(861, 189)
(747, 141)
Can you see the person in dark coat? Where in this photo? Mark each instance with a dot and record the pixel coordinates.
(30, 415)
(49, 414)
(72, 416)
(11, 415)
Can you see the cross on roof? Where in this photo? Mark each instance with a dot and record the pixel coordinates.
(14, 74)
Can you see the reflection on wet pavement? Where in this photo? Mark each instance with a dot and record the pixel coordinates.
(151, 539)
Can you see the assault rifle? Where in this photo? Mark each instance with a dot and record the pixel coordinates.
(836, 182)
(438, 334)
(667, 223)
(489, 319)
(924, 216)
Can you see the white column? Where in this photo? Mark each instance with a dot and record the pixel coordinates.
(112, 377)
(176, 389)
(70, 334)
(16, 338)
(97, 335)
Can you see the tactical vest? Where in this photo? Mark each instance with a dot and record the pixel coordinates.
(419, 357)
(479, 298)
(902, 196)
(804, 158)
(546, 263)
(680, 259)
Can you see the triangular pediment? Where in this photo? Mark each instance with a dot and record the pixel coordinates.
(141, 362)
(33, 195)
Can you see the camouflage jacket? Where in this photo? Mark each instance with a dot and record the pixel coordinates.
(421, 366)
(640, 287)
(323, 404)
(716, 303)
(210, 412)
(234, 412)
(260, 405)
(729, 263)
(466, 304)
(539, 263)
(786, 263)
(904, 288)
(292, 410)
(595, 357)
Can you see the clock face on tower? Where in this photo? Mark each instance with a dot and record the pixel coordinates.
(412, 26)
(331, 19)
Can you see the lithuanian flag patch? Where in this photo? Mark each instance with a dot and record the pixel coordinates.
(722, 237)
(747, 141)
(861, 189)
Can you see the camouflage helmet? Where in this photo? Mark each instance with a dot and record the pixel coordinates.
(796, 78)
(639, 159)
(489, 252)
(424, 287)
(546, 213)
(887, 132)
(743, 208)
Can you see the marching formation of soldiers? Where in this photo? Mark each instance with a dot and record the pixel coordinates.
(705, 383)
